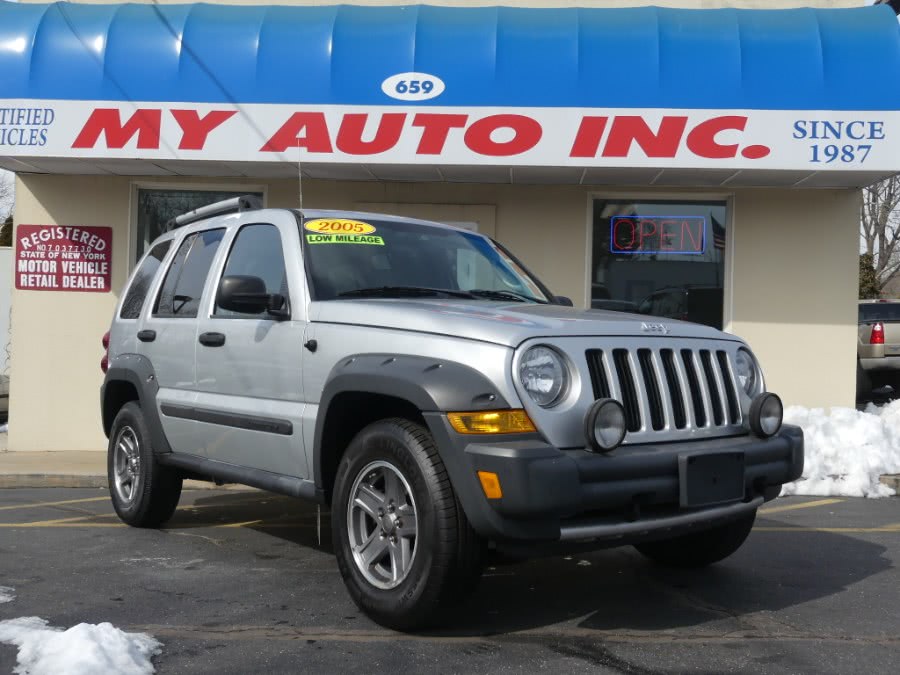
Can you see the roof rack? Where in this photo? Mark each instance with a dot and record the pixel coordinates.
(233, 205)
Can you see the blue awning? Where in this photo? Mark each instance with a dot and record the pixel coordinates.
(648, 57)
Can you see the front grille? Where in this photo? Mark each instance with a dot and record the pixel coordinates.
(664, 388)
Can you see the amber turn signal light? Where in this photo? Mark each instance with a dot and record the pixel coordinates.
(490, 483)
(491, 422)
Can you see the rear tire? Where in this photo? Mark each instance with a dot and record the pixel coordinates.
(701, 548)
(144, 493)
(403, 544)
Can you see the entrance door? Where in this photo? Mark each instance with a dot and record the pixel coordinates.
(662, 258)
(249, 365)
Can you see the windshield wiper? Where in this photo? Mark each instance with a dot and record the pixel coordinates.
(503, 295)
(411, 291)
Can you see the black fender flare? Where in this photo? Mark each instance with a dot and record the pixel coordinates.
(429, 384)
(138, 372)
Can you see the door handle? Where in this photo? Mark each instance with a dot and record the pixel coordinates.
(212, 339)
(146, 335)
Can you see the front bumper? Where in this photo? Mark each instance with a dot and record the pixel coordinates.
(631, 494)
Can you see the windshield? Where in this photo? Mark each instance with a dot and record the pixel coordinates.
(354, 258)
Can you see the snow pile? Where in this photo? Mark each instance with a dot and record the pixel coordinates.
(847, 450)
(7, 594)
(85, 649)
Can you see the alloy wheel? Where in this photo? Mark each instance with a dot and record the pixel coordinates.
(382, 524)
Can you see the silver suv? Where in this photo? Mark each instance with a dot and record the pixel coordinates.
(417, 379)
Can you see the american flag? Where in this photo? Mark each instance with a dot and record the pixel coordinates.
(718, 232)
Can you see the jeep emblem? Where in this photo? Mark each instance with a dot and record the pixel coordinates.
(660, 328)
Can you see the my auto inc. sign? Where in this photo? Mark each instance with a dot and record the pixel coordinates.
(757, 139)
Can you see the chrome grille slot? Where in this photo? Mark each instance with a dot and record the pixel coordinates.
(674, 385)
(628, 388)
(598, 373)
(715, 396)
(734, 410)
(687, 356)
(654, 399)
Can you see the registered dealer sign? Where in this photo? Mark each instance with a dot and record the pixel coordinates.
(63, 258)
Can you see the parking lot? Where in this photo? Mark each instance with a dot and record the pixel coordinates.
(239, 582)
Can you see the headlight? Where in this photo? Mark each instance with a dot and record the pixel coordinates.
(544, 375)
(747, 372)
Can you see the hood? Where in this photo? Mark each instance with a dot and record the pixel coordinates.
(504, 323)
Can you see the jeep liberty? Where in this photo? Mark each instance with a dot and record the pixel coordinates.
(420, 382)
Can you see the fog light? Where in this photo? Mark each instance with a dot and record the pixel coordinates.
(604, 425)
(766, 414)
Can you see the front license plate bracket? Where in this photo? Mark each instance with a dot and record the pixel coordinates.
(710, 478)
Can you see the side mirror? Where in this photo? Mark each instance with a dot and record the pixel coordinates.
(563, 300)
(247, 295)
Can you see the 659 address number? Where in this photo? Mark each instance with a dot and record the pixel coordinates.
(413, 86)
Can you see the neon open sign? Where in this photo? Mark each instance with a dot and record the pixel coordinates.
(657, 234)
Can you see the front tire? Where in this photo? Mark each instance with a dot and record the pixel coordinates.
(144, 493)
(701, 548)
(402, 541)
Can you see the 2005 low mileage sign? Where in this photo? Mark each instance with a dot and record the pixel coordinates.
(63, 258)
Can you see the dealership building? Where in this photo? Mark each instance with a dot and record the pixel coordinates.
(699, 160)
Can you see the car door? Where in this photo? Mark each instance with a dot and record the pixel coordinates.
(249, 366)
(168, 334)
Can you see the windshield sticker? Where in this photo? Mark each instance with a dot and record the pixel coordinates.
(345, 239)
(338, 226)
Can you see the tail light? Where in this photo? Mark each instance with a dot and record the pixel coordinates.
(104, 362)
(877, 336)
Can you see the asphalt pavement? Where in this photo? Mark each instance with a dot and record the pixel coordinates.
(239, 582)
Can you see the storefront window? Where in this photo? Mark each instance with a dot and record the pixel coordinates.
(661, 258)
(157, 207)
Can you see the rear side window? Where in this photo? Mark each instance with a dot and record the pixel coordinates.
(257, 252)
(183, 286)
(137, 293)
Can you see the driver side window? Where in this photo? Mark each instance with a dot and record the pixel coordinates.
(257, 252)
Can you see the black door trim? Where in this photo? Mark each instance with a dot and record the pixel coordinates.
(269, 425)
(264, 480)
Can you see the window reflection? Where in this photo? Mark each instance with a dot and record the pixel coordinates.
(660, 257)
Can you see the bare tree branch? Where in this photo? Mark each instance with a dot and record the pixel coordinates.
(7, 194)
(880, 227)
(7, 201)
